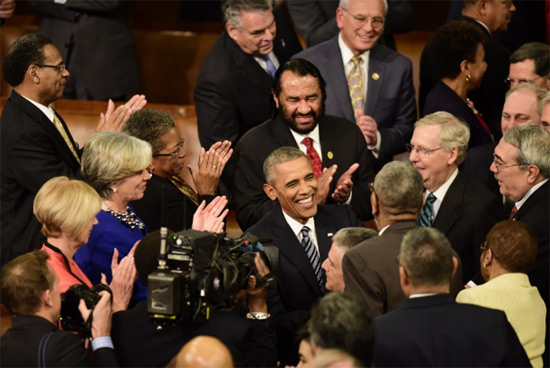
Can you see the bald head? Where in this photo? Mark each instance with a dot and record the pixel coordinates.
(203, 352)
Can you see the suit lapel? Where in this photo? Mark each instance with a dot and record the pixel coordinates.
(329, 145)
(450, 209)
(336, 80)
(539, 195)
(375, 79)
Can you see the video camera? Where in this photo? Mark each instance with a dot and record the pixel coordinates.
(201, 270)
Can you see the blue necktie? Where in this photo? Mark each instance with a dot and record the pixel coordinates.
(313, 256)
(270, 67)
(426, 214)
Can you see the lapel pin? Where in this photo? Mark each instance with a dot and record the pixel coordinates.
(330, 155)
(375, 76)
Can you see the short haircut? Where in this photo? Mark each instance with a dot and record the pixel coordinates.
(453, 43)
(454, 132)
(64, 205)
(27, 50)
(349, 237)
(279, 156)
(404, 198)
(24, 280)
(536, 90)
(110, 156)
(149, 125)
(344, 4)
(514, 245)
(538, 52)
(533, 145)
(545, 99)
(232, 9)
(427, 257)
(343, 321)
(301, 68)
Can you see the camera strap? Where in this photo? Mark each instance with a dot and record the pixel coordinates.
(42, 349)
(67, 263)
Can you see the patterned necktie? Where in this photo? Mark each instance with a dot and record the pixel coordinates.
(270, 67)
(313, 156)
(59, 125)
(426, 214)
(355, 85)
(313, 256)
(185, 188)
(513, 212)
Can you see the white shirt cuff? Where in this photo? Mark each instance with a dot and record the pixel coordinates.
(102, 342)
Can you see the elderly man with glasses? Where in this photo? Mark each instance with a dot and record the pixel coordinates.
(366, 82)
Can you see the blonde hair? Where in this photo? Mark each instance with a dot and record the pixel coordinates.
(65, 205)
(110, 156)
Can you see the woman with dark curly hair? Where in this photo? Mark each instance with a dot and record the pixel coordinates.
(457, 49)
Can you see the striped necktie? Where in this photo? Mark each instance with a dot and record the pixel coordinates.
(355, 85)
(313, 256)
(426, 214)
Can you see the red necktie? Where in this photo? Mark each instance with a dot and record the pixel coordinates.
(313, 157)
(513, 212)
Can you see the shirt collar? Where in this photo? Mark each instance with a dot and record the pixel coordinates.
(297, 226)
(47, 110)
(347, 54)
(442, 190)
(529, 193)
(314, 135)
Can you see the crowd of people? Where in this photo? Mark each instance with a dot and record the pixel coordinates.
(304, 146)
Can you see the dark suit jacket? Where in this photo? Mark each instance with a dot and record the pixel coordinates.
(466, 215)
(32, 152)
(489, 98)
(297, 286)
(435, 331)
(371, 271)
(139, 344)
(233, 95)
(20, 346)
(476, 166)
(390, 99)
(103, 57)
(442, 98)
(342, 144)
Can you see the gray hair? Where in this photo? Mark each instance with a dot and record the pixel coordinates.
(109, 157)
(348, 237)
(404, 198)
(538, 52)
(427, 257)
(537, 91)
(232, 9)
(533, 145)
(344, 4)
(454, 132)
(279, 156)
(545, 99)
(149, 125)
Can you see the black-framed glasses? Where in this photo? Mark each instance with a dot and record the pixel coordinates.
(514, 82)
(422, 151)
(175, 153)
(60, 67)
(360, 20)
(499, 165)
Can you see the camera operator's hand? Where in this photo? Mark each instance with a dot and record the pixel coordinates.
(256, 296)
(102, 314)
(124, 277)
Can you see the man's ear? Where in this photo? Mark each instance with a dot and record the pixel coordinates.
(32, 71)
(404, 281)
(340, 18)
(47, 298)
(275, 98)
(533, 173)
(270, 192)
(455, 266)
(231, 30)
(375, 204)
(453, 155)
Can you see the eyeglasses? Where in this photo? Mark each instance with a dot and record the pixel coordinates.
(60, 67)
(172, 154)
(361, 20)
(422, 151)
(499, 165)
(513, 82)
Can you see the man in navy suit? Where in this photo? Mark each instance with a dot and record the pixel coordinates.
(302, 231)
(378, 78)
(432, 330)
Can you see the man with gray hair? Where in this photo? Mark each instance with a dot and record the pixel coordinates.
(369, 268)
(460, 207)
(530, 63)
(544, 108)
(233, 91)
(432, 330)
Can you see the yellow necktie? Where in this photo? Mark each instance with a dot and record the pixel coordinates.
(185, 188)
(65, 136)
(355, 84)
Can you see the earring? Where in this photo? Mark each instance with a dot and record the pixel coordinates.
(114, 189)
(468, 77)
(484, 266)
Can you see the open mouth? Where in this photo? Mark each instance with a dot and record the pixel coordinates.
(305, 200)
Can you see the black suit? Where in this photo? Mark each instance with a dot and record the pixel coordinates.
(477, 166)
(20, 346)
(139, 344)
(32, 152)
(233, 94)
(435, 331)
(466, 215)
(297, 286)
(341, 142)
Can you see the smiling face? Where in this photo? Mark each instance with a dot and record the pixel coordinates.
(512, 179)
(360, 36)
(333, 268)
(52, 81)
(520, 108)
(133, 187)
(256, 33)
(168, 166)
(295, 187)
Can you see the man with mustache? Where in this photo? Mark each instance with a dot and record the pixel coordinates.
(335, 147)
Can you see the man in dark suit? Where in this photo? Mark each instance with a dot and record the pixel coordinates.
(521, 166)
(432, 330)
(35, 143)
(30, 291)
(233, 91)
(335, 144)
(489, 16)
(382, 101)
(302, 231)
(458, 206)
(369, 268)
